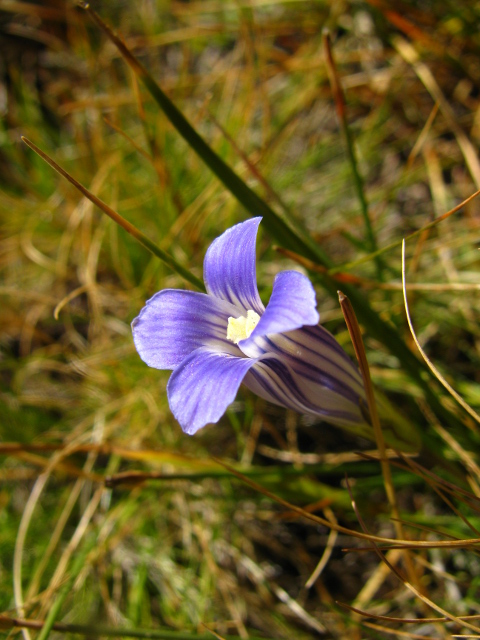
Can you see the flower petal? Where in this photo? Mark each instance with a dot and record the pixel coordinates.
(315, 355)
(292, 305)
(201, 388)
(274, 380)
(174, 323)
(316, 346)
(229, 268)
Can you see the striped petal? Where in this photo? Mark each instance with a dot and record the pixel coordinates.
(274, 380)
(291, 306)
(229, 268)
(313, 353)
(201, 388)
(317, 376)
(174, 323)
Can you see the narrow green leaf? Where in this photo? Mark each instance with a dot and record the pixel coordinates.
(98, 630)
(350, 145)
(116, 217)
(54, 610)
(295, 239)
(398, 243)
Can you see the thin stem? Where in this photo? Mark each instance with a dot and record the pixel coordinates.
(398, 243)
(54, 610)
(110, 632)
(340, 104)
(116, 217)
(357, 340)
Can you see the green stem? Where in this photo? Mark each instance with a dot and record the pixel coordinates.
(284, 233)
(54, 611)
(96, 630)
(116, 217)
(342, 116)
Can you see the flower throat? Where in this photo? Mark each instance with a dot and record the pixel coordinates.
(241, 328)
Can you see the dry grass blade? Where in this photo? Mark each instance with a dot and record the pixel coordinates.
(404, 24)
(325, 458)
(340, 105)
(116, 217)
(329, 547)
(374, 284)
(450, 504)
(68, 298)
(459, 493)
(398, 243)
(214, 633)
(377, 579)
(407, 544)
(31, 9)
(251, 166)
(396, 632)
(408, 52)
(357, 341)
(471, 412)
(465, 456)
(376, 616)
(20, 543)
(422, 138)
(406, 583)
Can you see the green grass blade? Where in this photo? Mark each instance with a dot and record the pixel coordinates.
(96, 630)
(295, 239)
(398, 243)
(350, 146)
(54, 610)
(125, 224)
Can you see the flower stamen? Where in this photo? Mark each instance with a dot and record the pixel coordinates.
(241, 328)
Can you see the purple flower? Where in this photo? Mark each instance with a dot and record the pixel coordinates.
(215, 341)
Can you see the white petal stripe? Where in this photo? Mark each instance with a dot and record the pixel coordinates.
(271, 379)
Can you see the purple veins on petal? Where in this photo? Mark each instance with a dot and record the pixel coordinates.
(201, 388)
(229, 269)
(292, 305)
(273, 380)
(328, 365)
(174, 323)
(322, 372)
(280, 352)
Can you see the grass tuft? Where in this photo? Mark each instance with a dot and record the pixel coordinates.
(268, 524)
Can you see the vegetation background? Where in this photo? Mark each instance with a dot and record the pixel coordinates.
(195, 545)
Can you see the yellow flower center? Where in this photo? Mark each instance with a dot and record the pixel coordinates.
(241, 328)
